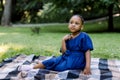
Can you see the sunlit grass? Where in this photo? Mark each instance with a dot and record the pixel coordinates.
(3, 49)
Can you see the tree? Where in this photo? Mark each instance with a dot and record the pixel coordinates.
(6, 17)
(110, 4)
(25, 11)
(87, 8)
(80, 6)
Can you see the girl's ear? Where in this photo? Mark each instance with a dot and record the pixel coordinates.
(82, 27)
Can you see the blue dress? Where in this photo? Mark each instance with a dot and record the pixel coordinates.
(74, 57)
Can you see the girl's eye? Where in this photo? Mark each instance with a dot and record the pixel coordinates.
(77, 23)
(70, 22)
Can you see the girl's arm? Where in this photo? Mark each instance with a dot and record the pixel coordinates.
(63, 47)
(87, 70)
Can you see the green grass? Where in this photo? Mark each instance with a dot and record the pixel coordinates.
(21, 40)
(106, 45)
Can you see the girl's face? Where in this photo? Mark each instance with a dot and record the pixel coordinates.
(75, 24)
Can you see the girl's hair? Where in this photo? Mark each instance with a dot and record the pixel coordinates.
(82, 19)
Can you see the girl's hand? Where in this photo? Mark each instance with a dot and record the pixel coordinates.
(67, 37)
(87, 71)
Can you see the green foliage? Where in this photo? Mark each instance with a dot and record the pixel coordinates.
(51, 13)
(107, 3)
(25, 11)
(40, 11)
(87, 8)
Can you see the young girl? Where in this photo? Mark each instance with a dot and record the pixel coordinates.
(75, 50)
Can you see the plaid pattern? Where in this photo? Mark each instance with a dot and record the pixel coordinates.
(102, 69)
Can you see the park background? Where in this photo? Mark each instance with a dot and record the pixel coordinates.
(37, 26)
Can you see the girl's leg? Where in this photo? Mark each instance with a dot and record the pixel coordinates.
(29, 67)
(39, 65)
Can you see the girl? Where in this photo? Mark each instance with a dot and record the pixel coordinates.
(75, 50)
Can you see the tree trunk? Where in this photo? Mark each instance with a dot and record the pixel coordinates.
(2, 6)
(110, 20)
(5, 21)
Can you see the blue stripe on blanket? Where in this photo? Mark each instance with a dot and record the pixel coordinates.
(73, 74)
(104, 70)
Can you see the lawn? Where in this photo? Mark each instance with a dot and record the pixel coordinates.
(21, 40)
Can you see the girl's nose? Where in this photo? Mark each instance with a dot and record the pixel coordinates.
(73, 24)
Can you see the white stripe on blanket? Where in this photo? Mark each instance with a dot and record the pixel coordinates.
(94, 69)
(102, 69)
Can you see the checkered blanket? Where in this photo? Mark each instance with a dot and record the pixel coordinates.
(102, 69)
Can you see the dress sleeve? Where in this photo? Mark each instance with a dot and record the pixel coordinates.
(86, 43)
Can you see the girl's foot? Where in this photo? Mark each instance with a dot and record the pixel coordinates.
(25, 67)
